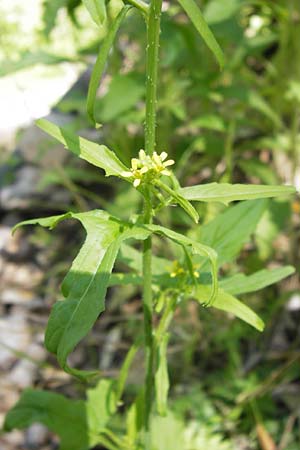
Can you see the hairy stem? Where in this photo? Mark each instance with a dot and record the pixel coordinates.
(148, 332)
(153, 31)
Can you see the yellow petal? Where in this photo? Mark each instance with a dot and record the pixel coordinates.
(142, 154)
(156, 158)
(134, 163)
(163, 156)
(166, 172)
(126, 174)
(170, 162)
(136, 182)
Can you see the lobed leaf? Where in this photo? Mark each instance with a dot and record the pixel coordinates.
(98, 155)
(192, 10)
(101, 62)
(97, 10)
(243, 284)
(85, 286)
(226, 193)
(226, 302)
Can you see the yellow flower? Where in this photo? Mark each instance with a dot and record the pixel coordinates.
(154, 166)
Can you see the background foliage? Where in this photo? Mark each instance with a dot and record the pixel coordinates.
(232, 387)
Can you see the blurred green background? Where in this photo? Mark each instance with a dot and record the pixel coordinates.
(232, 387)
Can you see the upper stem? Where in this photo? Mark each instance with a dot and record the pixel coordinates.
(153, 31)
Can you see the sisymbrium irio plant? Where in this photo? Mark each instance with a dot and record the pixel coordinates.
(84, 424)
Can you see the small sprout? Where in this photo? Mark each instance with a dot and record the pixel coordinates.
(146, 168)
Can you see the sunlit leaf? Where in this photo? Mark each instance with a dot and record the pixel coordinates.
(226, 302)
(97, 10)
(85, 285)
(98, 155)
(226, 193)
(242, 284)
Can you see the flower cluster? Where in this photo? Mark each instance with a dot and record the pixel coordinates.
(178, 270)
(147, 167)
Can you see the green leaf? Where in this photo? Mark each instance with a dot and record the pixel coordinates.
(100, 406)
(217, 11)
(97, 10)
(29, 59)
(192, 10)
(259, 103)
(55, 412)
(123, 374)
(50, 11)
(242, 284)
(209, 122)
(229, 231)
(124, 92)
(255, 168)
(162, 377)
(226, 193)
(85, 285)
(101, 62)
(228, 303)
(98, 155)
(76, 422)
(168, 433)
(47, 222)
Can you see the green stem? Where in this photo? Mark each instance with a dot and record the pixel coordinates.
(148, 326)
(166, 319)
(229, 142)
(153, 31)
